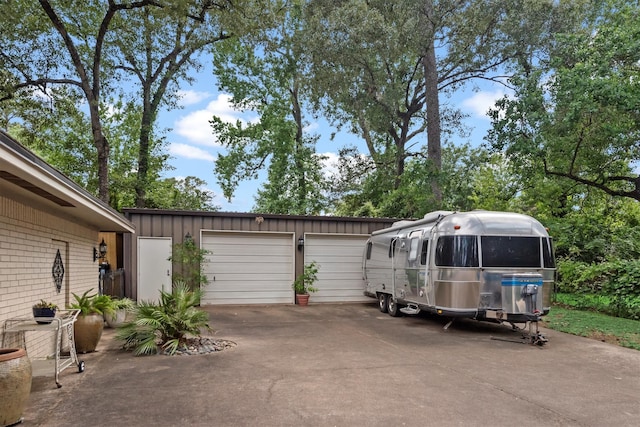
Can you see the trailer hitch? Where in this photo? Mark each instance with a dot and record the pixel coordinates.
(533, 337)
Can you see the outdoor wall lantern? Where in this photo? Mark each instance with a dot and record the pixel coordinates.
(187, 237)
(301, 242)
(100, 252)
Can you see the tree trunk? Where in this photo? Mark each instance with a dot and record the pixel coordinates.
(434, 149)
(299, 152)
(102, 147)
(143, 158)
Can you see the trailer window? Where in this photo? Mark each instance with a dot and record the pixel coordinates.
(413, 248)
(510, 251)
(457, 251)
(392, 247)
(547, 253)
(423, 254)
(369, 246)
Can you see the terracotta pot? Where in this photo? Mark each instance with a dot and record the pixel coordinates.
(15, 384)
(87, 331)
(302, 299)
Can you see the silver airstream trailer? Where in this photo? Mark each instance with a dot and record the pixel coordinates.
(495, 266)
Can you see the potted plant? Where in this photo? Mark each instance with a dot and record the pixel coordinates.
(88, 326)
(303, 285)
(15, 384)
(44, 311)
(121, 307)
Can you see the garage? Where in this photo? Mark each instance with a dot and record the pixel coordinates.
(248, 268)
(256, 256)
(339, 259)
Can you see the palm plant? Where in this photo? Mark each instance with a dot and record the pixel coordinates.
(167, 324)
(93, 304)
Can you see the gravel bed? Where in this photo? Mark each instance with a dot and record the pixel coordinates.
(202, 345)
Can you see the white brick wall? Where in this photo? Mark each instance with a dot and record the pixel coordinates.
(29, 240)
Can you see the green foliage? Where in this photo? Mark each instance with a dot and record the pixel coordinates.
(189, 261)
(572, 116)
(610, 287)
(587, 302)
(93, 304)
(304, 283)
(263, 72)
(188, 193)
(624, 332)
(166, 325)
(123, 304)
(98, 51)
(46, 304)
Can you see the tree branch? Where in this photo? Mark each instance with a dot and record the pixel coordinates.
(633, 194)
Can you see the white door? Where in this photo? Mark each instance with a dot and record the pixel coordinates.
(154, 267)
(339, 260)
(248, 267)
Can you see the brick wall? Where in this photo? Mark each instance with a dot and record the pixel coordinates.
(29, 241)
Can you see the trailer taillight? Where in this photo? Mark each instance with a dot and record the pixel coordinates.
(456, 227)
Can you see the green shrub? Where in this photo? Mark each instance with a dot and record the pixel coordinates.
(304, 284)
(166, 325)
(590, 302)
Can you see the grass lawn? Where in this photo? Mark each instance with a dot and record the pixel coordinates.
(614, 330)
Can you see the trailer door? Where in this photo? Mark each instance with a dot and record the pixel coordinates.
(413, 267)
(399, 250)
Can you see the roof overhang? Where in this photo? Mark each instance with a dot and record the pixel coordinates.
(28, 179)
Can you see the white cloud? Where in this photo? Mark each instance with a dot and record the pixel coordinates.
(190, 152)
(195, 126)
(481, 102)
(190, 97)
(311, 127)
(329, 164)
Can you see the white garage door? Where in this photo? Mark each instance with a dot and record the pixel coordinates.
(339, 259)
(248, 268)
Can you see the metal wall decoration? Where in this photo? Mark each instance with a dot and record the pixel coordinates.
(58, 271)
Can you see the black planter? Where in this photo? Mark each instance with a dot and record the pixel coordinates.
(41, 313)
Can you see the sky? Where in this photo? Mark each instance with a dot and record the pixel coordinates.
(194, 150)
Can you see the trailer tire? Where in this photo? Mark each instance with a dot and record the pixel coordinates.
(383, 302)
(392, 307)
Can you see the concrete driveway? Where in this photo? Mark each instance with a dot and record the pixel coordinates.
(349, 365)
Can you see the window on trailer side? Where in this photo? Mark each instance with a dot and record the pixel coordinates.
(413, 248)
(547, 253)
(423, 254)
(457, 251)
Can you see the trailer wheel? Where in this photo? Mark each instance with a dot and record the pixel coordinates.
(392, 307)
(383, 302)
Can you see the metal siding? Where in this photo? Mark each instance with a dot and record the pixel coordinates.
(248, 267)
(175, 224)
(339, 259)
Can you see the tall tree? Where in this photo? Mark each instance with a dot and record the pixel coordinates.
(576, 116)
(381, 67)
(94, 47)
(263, 72)
(156, 47)
(63, 44)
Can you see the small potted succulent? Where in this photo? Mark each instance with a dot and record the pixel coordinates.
(44, 312)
